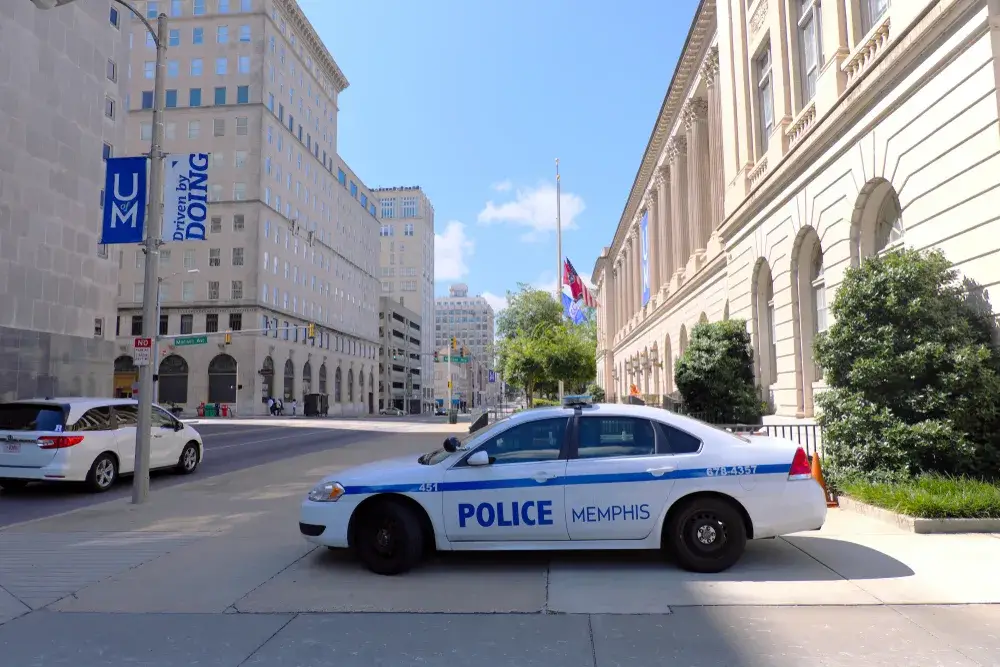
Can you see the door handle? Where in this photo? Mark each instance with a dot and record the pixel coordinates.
(157, 435)
(543, 476)
(659, 472)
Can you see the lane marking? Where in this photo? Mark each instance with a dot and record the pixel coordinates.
(252, 442)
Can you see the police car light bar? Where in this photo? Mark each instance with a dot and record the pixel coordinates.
(580, 400)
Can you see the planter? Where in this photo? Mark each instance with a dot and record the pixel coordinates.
(918, 525)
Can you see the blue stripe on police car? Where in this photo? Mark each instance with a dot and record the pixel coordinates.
(571, 480)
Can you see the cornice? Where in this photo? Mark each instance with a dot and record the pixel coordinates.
(305, 30)
(703, 29)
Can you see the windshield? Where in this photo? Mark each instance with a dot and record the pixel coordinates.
(30, 417)
(439, 455)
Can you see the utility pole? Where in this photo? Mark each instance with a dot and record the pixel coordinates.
(151, 247)
(559, 261)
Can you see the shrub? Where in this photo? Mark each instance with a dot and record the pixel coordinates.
(715, 374)
(914, 382)
(596, 392)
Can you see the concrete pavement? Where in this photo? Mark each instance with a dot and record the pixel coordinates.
(213, 571)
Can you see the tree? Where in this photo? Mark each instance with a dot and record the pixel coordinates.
(914, 382)
(527, 310)
(715, 374)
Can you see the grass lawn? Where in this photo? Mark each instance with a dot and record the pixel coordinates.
(931, 497)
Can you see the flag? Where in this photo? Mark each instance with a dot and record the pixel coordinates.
(577, 287)
(571, 309)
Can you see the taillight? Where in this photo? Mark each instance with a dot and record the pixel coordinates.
(59, 441)
(801, 468)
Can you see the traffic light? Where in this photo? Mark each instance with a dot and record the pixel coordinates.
(229, 338)
(394, 351)
(311, 330)
(454, 343)
(435, 356)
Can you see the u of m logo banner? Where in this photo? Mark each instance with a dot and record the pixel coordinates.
(125, 193)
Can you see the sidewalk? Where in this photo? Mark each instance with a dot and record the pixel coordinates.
(215, 571)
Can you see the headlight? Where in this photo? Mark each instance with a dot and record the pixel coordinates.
(327, 492)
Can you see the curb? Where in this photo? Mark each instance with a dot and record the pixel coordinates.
(919, 525)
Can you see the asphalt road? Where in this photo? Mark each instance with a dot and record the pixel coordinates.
(227, 448)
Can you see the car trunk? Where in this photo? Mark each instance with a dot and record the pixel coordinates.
(22, 425)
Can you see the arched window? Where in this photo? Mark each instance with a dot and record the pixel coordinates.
(765, 328)
(889, 223)
(125, 364)
(668, 367)
(267, 378)
(288, 392)
(222, 379)
(683, 341)
(809, 313)
(361, 378)
(322, 378)
(877, 222)
(336, 385)
(173, 380)
(307, 379)
(350, 385)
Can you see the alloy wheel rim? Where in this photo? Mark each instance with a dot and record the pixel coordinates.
(190, 458)
(105, 473)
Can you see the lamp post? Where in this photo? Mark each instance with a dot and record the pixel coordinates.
(151, 244)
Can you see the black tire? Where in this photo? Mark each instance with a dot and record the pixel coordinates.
(13, 484)
(103, 473)
(188, 461)
(390, 539)
(706, 535)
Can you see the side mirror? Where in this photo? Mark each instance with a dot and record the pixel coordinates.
(479, 458)
(178, 426)
(451, 444)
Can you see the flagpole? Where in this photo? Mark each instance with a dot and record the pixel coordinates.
(559, 260)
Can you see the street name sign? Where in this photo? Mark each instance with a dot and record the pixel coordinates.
(190, 340)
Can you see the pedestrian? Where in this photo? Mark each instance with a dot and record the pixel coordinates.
(270, 405)
(295, 405)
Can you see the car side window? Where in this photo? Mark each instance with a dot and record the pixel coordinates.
(528, 442)
(95, 419)
(606, 437)
(128, 415)
(161, 419)
(676, 441)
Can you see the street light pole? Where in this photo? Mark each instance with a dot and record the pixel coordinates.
(151, 246)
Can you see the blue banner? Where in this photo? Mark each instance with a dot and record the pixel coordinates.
(644, 240)
(185, 197)
(572, 309)
(492, 377)
(124, 216)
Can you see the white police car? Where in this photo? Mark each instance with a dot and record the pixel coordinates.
(580, 476)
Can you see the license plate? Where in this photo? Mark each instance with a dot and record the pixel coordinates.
(12, 448)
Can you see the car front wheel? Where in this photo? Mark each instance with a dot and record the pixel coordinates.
(390, 539)
(188, 461)
(706, 535)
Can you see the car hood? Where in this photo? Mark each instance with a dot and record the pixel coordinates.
(386, 471)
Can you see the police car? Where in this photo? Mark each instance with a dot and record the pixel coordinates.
(580, 476)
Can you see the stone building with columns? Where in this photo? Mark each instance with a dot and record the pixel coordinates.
(796, 139)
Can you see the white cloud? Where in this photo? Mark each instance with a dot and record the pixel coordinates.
(535, 209)
(496, 301)
(452, 250)
(503, 186)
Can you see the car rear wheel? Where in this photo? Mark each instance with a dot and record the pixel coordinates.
(706, 535)
(390, 539)
(13, 484)
(188, 461)
(103, 473)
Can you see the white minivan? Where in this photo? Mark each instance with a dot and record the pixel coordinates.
(89, 440)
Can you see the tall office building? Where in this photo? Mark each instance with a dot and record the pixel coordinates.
(60, 112)
(467, 318)
(407, 266)
(292, 238)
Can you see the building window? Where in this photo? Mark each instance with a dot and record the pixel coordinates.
(243, 94)
(243, 64)
(408, 229)
(174, 37)
(246, 5)
(109, 107)
(220, 95)
(197, 66)
(107, 152)
(810, 47)
(237, 256)
(241, 125)
(889, 223)
(223, 6)
(152, 11)
(219, 126)
(173, 69)
(147, 99)
(198, 34)
(221, 66)
(189, 259)
(187, 324)
(213, 290)
(194, 99)
(137, 324)
(765, 97)
(112, 70)
(244, 33)
(212, 322)
(194, 129)
(115, 18)
(341, 176)
(239, 191)
(175, 7)
(222, 34)
(237, 290)
(388, 208)
(187, 290)
(871, 12)
(148, 69)
(409, 207)
(215, 254)
(171, 99)
(238, 222)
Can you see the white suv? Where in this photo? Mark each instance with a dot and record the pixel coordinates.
(88, 440)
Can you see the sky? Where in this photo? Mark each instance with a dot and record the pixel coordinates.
(474, 100)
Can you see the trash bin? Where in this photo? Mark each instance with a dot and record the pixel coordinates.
(201, 410)
(225, 409)
(453, 416)
(209, 410)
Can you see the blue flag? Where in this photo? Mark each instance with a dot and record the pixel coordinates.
(572, 309)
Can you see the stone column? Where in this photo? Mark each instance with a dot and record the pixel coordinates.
(717, 187)
(617, 293)
(677, 153)
(652, 211)
(696, 121)
(664, 248)
(630, 269)
(637, 266)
